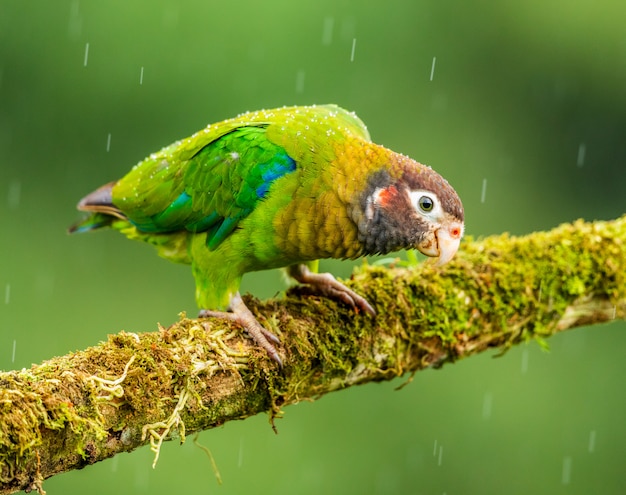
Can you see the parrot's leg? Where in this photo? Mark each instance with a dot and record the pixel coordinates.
(240, 314)
(329, 286)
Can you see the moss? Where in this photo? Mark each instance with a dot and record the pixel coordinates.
(196, 374)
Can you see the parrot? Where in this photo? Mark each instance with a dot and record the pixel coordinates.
(279, 188)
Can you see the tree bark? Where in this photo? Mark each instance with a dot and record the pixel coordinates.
(135, 389)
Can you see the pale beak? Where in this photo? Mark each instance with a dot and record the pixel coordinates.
(448, 240)
(443, 243)
(429, 245)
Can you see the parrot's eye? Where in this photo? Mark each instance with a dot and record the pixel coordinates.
(426, 204)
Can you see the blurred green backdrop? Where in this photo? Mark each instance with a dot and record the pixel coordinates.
(521, 105)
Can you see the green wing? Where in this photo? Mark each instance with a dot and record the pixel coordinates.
(212, 180)
(212, 191)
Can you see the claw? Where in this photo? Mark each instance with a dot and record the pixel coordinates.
(329, 286)
(240, 314)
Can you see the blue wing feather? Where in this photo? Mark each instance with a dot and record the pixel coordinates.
(221, 185)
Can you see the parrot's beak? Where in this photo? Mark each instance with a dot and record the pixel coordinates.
(444, 243)
(448, 240)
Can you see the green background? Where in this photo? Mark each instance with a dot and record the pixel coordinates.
(529, 96)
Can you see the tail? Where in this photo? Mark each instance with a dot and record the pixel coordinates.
(103, 212)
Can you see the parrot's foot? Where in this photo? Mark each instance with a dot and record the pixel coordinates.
(240, 314)
(328, 286)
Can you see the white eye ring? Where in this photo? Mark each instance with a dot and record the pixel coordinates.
(426, 203)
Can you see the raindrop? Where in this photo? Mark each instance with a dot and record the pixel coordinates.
(524, 361)
(240, 456)
(300, 81)
(13, 353)
(108, 142)
(440, 455)
(75, 24)
(141, 76)
(567, 470)
(614, 312)
(432, 68)
(353, 48)
(114, 463)
(581, 154)
(7, 293)
(86, 54)
(487, 405)
(592, 441)
(435, 449)
(327, 33)
(484, 191)
(15, 193)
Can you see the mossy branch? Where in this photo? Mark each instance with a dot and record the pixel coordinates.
(135, 389)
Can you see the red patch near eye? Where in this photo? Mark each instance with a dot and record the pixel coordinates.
(386, 195)
(455, 232)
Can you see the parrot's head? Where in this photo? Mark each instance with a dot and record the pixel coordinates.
(407, 205)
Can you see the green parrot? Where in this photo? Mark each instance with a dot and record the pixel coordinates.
(278, 188)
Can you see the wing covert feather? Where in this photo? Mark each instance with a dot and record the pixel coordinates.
(213, 179)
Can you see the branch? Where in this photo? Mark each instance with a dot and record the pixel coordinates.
(135, 389)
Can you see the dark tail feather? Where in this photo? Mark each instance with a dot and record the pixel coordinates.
(92, 222)
(101, 201)
(100, 204)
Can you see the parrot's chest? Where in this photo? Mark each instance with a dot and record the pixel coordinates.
(306, 230)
